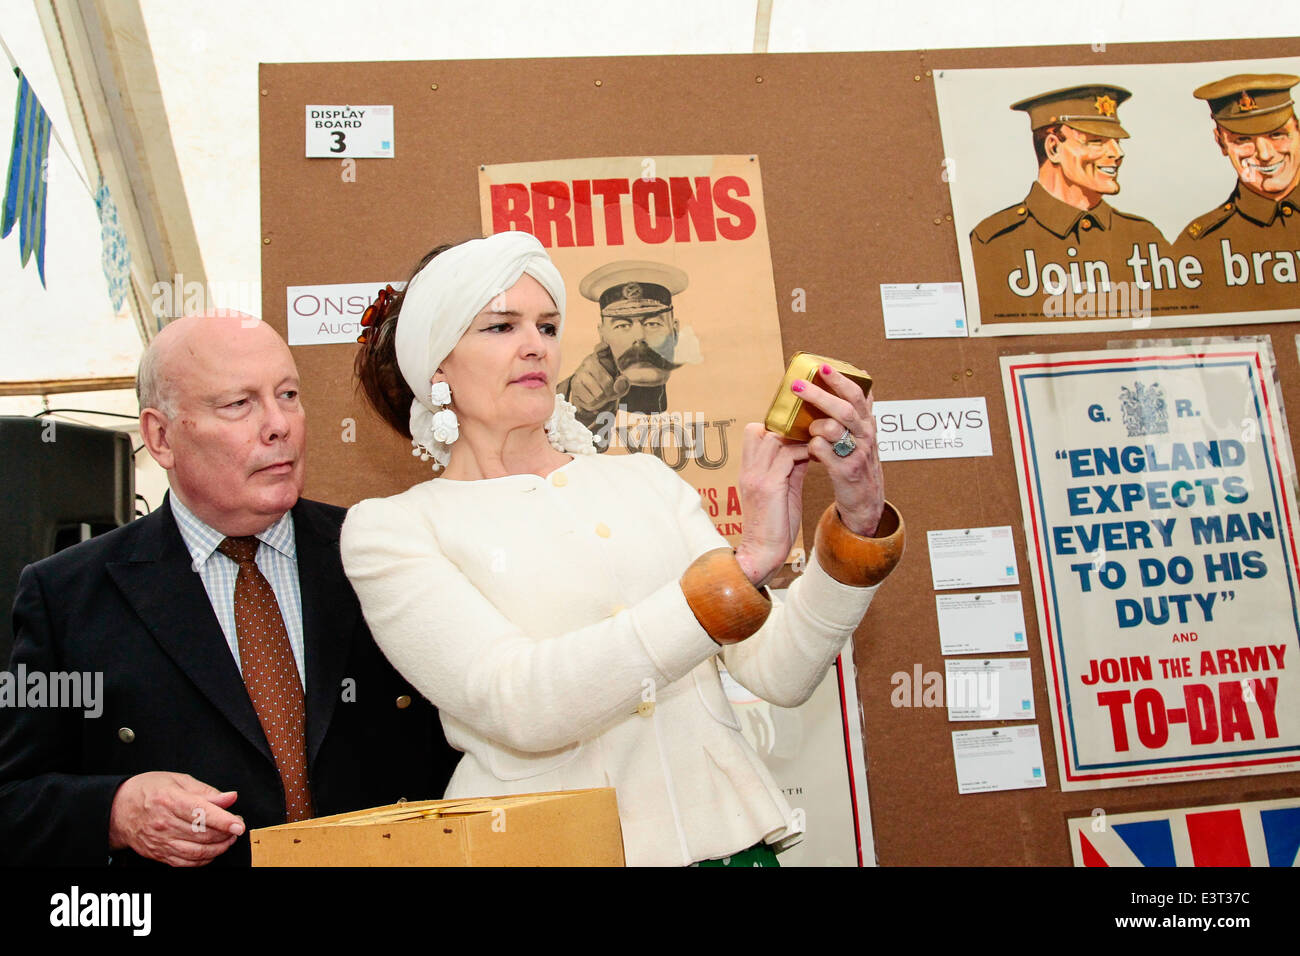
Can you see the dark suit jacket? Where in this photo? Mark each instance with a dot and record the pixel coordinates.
(129, 605)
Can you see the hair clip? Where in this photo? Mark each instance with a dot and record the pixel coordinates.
(374, 314)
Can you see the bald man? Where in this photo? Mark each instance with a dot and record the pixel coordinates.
(241, 688)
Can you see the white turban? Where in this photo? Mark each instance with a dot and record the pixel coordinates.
(438, 307)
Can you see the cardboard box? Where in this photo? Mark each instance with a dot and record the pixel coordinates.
(567, 828)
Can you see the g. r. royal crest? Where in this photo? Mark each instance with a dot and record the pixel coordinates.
(1144, 409)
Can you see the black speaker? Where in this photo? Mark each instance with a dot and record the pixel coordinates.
(62, 483)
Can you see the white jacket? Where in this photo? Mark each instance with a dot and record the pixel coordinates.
(538, 613)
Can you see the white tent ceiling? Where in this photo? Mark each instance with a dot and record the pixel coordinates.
(206, 57)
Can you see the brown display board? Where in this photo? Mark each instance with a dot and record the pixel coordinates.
(852, 165)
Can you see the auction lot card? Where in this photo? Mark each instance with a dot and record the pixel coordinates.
(988, 622)
(923, 310)
(1005, 758)
(972, 558)
(995, 689)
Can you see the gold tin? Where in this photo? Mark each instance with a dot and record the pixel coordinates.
(787, 415)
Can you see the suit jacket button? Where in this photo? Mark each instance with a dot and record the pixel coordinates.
(645, 708)
(125, 734)
(404, 702)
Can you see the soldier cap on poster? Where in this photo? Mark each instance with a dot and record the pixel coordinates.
(633, 288)
(1250, 103)
(1093, 109)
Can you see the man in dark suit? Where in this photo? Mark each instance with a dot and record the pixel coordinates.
(239, 688)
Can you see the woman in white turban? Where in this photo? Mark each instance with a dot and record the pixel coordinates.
(563, 610)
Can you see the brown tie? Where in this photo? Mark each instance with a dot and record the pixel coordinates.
(270, 674)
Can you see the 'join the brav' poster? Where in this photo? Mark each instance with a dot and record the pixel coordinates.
(671, 339)
(1158, 495)
(1101, 197)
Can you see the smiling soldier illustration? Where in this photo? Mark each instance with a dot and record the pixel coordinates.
(1254, 234)
(1023, 254)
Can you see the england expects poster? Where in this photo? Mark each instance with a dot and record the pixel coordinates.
(1158, 495)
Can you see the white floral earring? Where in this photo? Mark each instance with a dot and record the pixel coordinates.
(446, 427)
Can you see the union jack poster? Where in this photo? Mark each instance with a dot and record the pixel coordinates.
(1265, 833)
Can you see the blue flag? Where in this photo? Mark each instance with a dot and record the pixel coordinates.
(25, 188)
(116, 257)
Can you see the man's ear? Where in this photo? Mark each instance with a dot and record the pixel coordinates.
(1219, 138)
(154, 432)
(1052, 147)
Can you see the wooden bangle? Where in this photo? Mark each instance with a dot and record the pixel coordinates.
(856, 560)
(722, 598)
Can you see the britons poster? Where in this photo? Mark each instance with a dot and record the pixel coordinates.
(1107, 197)
(1159, 506)
(671, 338)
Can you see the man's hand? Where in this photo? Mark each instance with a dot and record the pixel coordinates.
(173, 818)
(591, 387)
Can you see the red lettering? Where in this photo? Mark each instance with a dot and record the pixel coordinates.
(746, 222)
(1202, 720)
(733, 500)
(1253, 658)
(551, 208)
(610, 190)
(510, 208)
(1266, 698)
(656, 226)
(582, 212)
(710, 500)
(688, 208)
(1235, 716)
(1149, 714)
(1115, 700)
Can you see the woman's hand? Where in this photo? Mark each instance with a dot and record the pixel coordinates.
(857, 477)
(771, 492)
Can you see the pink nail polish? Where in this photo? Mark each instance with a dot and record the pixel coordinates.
(826, 370)
(797, 385)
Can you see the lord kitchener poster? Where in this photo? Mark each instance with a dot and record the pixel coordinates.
(1102, 197)
(671, 338)
(1158, 495)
